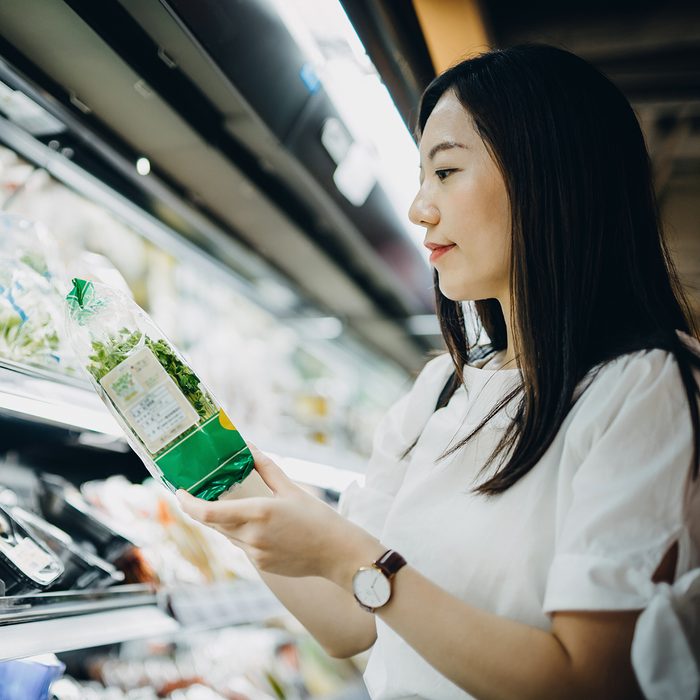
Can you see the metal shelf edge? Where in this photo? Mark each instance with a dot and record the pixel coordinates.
(84, 631)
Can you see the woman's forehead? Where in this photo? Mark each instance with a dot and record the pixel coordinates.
(449, 121)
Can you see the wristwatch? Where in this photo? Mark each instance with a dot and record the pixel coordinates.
(371, 585)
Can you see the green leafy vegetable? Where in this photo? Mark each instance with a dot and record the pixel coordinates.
(107, 355)
(184, 377)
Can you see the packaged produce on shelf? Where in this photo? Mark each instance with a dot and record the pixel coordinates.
(54, 541)
(30, 243)
(30, 303)
(26, 563)
(63, 506)
(172, 421)
(238, 663)
(29, 316)
(178, 549)
(82, 569)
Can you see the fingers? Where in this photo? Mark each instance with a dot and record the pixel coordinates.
(223, 515)
(270, 473)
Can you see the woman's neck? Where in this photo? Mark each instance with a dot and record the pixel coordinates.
(507, 357)
(501, 360)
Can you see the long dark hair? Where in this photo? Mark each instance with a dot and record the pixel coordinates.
(591, 277)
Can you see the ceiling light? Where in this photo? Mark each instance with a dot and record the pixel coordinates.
(143, 166)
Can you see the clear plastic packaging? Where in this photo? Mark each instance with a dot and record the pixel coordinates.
(26, 563)
(29, 316)
(170, 418)
(30, 301)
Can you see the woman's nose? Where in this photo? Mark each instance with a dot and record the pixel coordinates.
(422, 213)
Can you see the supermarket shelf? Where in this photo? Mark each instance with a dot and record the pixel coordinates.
(32, 394)
(37, 395)
(33, 607)
(223, 604)
(95, 629)
(61, 621)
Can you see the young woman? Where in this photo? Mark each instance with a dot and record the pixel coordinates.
(538, 486)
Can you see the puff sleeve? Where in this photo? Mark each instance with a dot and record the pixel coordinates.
(622, 485)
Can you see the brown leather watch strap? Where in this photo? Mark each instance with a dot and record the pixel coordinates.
(389, 563)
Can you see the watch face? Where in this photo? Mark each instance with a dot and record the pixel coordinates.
(371, 587)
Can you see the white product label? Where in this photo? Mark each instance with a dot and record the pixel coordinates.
(149, 399)
(29, 558)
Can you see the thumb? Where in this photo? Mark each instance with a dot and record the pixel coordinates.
(270, 472)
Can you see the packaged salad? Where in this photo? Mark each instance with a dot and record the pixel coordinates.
(170, 418)
(31, 295)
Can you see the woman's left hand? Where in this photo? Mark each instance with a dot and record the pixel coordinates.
(290, 532)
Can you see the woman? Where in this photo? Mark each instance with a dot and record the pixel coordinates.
(535, 486)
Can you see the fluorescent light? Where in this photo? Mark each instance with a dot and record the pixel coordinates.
(328, 38)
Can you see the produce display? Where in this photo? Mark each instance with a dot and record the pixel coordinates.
(30, 305)
(170, 418)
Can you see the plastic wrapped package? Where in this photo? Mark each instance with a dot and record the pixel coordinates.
(180, 550)
(82, 569)
(30, 243)
(30, 301)
(63, 506)
(170, 418)
(26, 563)
(29, 316)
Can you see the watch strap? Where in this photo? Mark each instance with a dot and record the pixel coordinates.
(389, 563)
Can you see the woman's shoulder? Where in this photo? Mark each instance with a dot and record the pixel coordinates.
(432, 377)
(655, 366)
(645, 385)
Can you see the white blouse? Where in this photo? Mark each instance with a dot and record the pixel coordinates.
(584, 530)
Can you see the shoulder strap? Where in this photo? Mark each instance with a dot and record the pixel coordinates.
(478, 353)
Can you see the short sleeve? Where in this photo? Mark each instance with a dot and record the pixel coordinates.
(368, 505)
(622, 483)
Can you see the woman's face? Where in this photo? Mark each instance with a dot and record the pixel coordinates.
(463, 205)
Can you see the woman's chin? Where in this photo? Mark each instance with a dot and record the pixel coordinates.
(456, 293)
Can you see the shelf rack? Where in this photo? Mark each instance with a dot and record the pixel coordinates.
(63, 621)
(37, 395)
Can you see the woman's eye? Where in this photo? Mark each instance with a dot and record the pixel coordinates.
(444, 173)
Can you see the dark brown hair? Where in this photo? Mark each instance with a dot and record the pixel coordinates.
(591, 277)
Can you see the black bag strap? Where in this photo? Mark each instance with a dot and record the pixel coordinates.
(480, 352)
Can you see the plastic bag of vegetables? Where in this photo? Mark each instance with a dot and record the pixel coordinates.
(32, 285)
(170, 418)
(29, 316)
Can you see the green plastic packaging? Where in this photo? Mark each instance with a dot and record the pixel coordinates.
(170, 418)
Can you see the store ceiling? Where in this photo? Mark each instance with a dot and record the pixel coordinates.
(154, 80)
(150, 78)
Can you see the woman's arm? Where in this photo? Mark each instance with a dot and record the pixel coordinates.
(584, 655)
(293, 534)
(328, 612)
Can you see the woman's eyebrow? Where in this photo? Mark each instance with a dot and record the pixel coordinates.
(444, 146)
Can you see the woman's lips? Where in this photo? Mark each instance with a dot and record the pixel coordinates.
(439, 251)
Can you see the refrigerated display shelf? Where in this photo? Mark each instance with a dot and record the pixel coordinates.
(90, 630)
(63, 621)
(33, 394)
(40, 395)
(34, 607)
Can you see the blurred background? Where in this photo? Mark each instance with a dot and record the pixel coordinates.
(244, 169)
